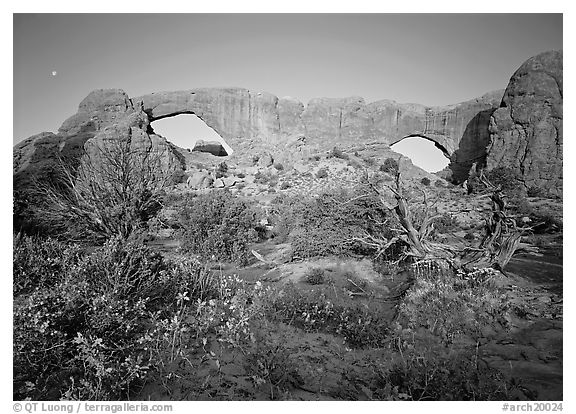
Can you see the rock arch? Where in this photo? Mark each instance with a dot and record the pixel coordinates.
(188, 131)
(439, 142)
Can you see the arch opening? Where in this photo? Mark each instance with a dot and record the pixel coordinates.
(191, 133)
(424, 153)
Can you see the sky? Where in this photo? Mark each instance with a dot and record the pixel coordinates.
(431, 59)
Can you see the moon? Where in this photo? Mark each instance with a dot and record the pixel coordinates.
(54, 73)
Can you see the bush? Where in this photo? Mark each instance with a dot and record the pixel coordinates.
(537, 192)
(462, 304)
(439, 184)
(326, 224)
(219, 225)
(278, 166)
(91, 334)
(360, 325)
(390, 166)
(39, 262)
(469, 236)
(508, 180)
(315, 276)
(221, 170)
(322, 173)
(445, 223)
(112, 191)
(425, 181)
(436, 374)
(266, 178)
(337, 153)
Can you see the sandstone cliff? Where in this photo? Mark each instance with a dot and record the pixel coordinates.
(244, 118)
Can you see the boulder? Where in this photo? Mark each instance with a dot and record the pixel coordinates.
(199, 180)
(212, 147)
(219, 183)
(265, 160)
(230, 181)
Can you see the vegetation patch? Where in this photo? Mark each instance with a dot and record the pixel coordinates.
(218, 226)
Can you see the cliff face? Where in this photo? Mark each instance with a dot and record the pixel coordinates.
(526, 131)
(241, 117)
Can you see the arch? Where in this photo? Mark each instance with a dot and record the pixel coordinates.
(185, 129)
(424, 152)
(440, 142)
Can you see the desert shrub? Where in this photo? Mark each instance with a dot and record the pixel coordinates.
(469, 236)
(542, 220)
(283, 215)
(278, 166)
(336, 152)
(328, 223)
(39, 262)
(425, 181)
(88, 335)
(222, 170)
(361, 326)
(322, 173)
(219, 225)
(92, 200)
(536, 191)
(266, 178)
(504, 177)
(432, 373)
(241, 175)
(271, 367)
(445, 223)
(454, 305)
(315, 276)
(178, 177)
(390, 166)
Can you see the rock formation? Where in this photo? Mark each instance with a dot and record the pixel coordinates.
(211, 147)
(200, 180)
(526, 131)
(244, 118)
(103, 117)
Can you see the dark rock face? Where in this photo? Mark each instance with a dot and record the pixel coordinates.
(526, 131)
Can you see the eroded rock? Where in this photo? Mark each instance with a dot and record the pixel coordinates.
(526, 131)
